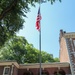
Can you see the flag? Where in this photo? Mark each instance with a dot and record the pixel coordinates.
(38, 20)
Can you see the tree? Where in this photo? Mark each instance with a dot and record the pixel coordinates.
(14, 49)
(32, 55)
(11, 16)
(46, 57)
(17, 48)
(56, 59)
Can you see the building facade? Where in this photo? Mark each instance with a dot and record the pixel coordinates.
(67, 49)
(13, 68)
(66, 66)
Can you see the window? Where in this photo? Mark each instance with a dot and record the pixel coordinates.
(74, 42)
(6, 71)
(44, 72)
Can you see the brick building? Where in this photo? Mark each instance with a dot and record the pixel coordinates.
(66, 66)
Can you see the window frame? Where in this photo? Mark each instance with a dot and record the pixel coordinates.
(5, 69)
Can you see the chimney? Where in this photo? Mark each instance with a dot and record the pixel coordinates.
(61, 34)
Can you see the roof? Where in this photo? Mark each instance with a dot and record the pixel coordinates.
(45, 65)
(35, 65)
(66, 34)
(4, 63)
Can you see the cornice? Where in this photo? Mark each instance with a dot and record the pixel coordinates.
(34, 65)
(69, 35)
(9, 63)
(44, 65)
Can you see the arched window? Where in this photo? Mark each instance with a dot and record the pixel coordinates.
(62, 72)
(28, 73)
(55, 73)
(44, 72)
(59, 72)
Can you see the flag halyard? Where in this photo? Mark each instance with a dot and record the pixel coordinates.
(38, 20)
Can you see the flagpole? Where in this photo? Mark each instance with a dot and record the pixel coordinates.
(40, 48)
(40, 58)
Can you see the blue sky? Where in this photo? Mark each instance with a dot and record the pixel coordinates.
(54, 17)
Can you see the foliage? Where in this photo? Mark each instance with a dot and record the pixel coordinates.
(14, 49)
(11, 16)
(32, 55)
(56, 59)
(46, 57)
(17, 48)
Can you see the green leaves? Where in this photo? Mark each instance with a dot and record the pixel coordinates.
(17, 48)
(14, 49)
(11, 16)
(32, 54)
(11, 21)
(53, 1)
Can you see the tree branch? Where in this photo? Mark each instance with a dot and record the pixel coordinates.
(8, 9)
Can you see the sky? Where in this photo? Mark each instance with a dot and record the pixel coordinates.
(54, 18)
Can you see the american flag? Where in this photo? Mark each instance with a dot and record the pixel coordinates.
(38, 20)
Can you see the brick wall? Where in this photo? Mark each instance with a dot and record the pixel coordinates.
(21, 71)
(51, 70)
(15, 71)
(1, 70)
(64, 57)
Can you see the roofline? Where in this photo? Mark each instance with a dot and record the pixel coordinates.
(34, 65)
(66, 35)
(45, 65)
(7, 63)
(69, 35)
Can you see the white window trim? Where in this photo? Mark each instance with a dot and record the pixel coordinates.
(4, 70)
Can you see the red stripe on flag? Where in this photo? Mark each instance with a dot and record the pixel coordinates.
(38, 20)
